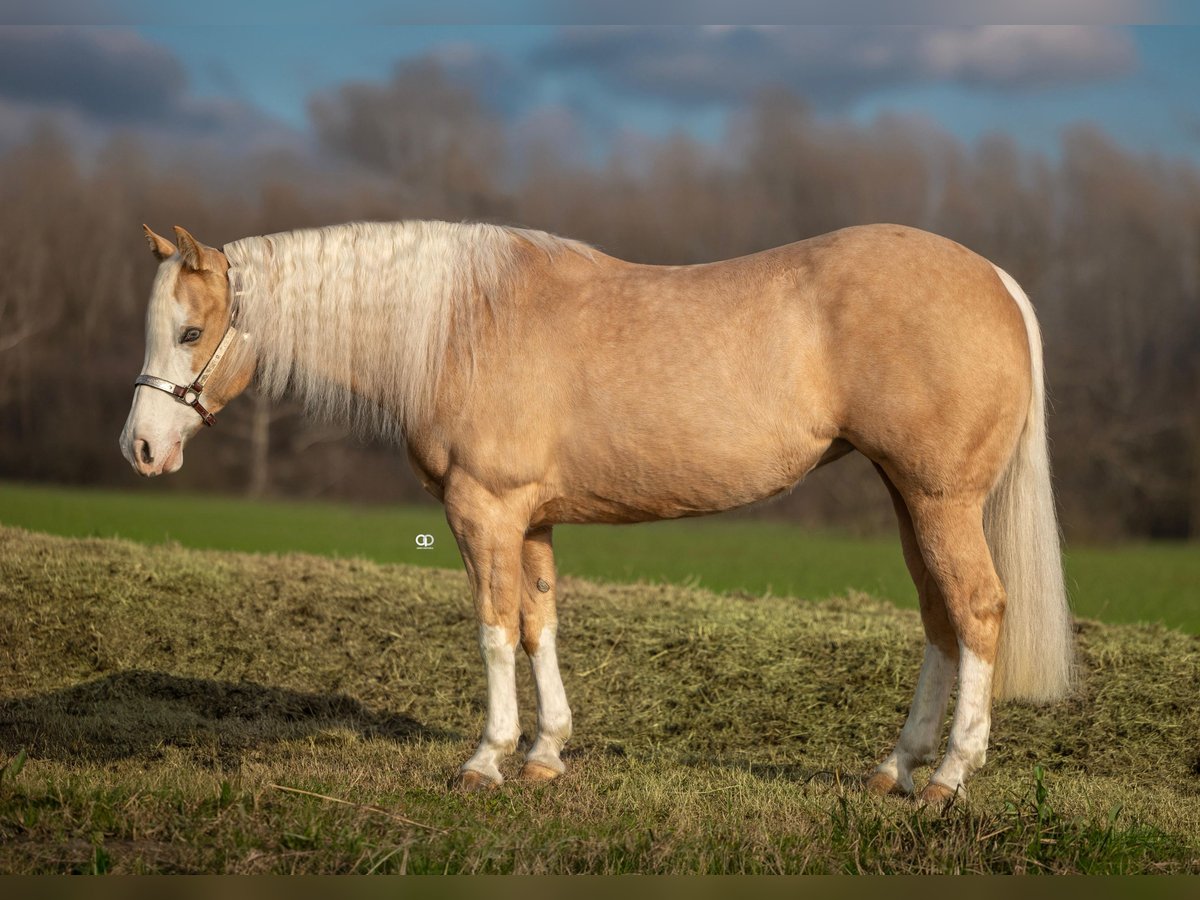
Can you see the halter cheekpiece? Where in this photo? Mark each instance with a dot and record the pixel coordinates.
(189, 395)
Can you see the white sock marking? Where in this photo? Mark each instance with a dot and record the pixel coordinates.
(921, 734)
(972, 722)
(554, 714)
(502, 729)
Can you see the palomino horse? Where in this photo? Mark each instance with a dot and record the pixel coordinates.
(535, 381)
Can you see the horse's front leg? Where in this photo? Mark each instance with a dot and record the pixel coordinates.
(539, 627)
(490, 535)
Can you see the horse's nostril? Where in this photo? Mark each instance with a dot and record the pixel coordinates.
(142, 451)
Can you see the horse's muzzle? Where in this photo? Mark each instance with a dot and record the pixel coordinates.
(148, 460)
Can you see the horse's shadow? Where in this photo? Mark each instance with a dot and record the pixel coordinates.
(140, 714)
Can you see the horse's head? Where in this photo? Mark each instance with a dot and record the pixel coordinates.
(187, 375)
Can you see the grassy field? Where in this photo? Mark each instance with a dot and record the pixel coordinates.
(171, 710)
(1157, 583)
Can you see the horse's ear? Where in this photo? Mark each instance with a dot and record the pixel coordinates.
(159, 245)
(195, 254)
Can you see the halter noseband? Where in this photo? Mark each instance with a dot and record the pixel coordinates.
(189, 395)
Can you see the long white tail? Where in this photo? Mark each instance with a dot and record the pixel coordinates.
(1036, 657)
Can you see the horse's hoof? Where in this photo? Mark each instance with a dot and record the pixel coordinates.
(536, 773)
(471, 782)
(936, 796)
(881, 784)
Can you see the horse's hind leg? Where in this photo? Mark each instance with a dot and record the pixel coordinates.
(921, 735)
(949, 530)
(539, 627)
(491, 535)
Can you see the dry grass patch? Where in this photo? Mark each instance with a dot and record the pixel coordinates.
(164, 696)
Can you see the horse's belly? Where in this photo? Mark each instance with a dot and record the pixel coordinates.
(658, 479)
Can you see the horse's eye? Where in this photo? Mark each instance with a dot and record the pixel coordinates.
(190, 335)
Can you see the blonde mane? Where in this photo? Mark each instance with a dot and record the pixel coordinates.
(372, 305)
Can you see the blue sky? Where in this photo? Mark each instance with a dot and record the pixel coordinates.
(1138, 83)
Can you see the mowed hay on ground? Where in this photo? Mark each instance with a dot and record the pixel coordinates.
(161, 708)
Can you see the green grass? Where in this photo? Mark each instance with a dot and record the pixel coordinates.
(1157, 583)
(160, 707)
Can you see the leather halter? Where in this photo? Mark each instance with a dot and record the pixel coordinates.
(189, 395)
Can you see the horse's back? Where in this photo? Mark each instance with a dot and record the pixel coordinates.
(823, 326)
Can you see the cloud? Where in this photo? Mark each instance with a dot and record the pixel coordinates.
(375, 13)
(108, 74)
(93, 80)
(1014, 56)
(824, 13)
(832, 66)
(67, 12)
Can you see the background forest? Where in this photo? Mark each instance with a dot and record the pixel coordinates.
(1105, 240)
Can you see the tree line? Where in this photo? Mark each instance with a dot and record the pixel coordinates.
(1106, 243)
